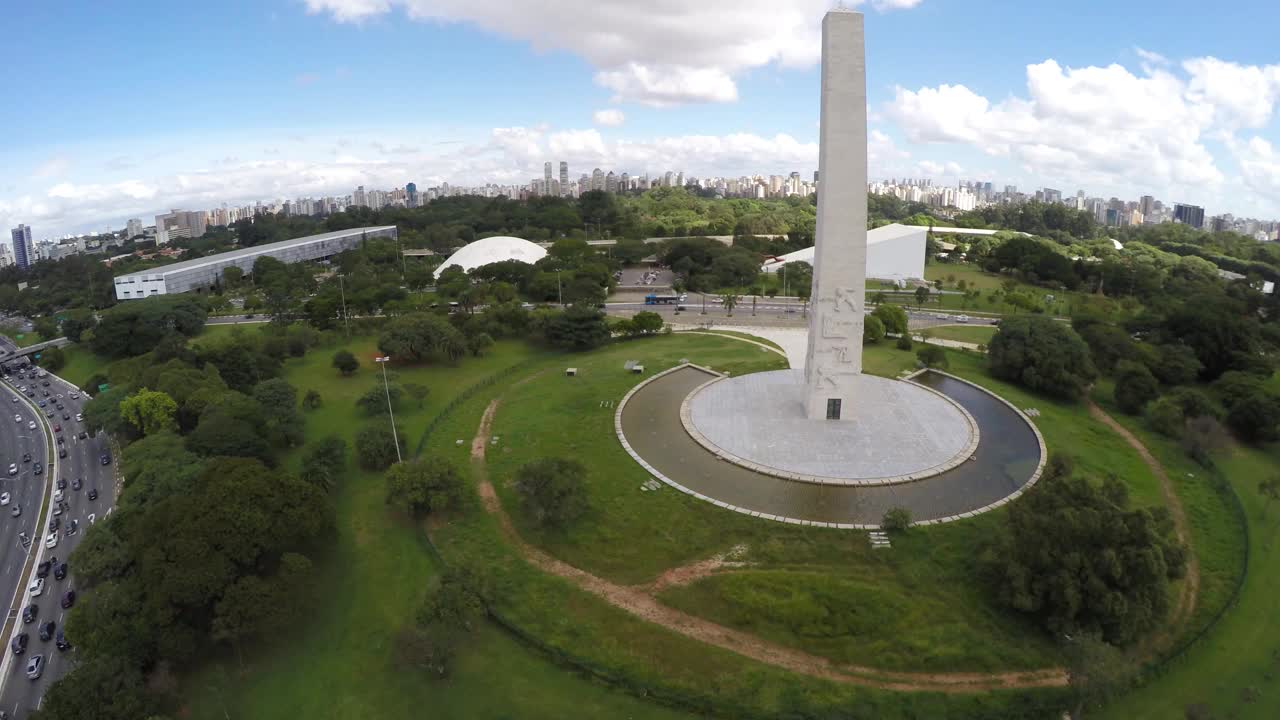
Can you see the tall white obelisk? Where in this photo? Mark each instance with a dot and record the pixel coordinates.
(834, 358)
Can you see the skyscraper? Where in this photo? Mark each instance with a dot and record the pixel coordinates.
(24, 252)
(1192, 215)
(134, 228)
(546, 176)
(564, 178)
(411, 195)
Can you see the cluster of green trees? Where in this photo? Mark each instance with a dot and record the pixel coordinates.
(1073, 555)
(210, 542)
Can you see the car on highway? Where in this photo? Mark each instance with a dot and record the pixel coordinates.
(77, 484)
(84, 435)
(42, 403)
(58, 496)
(55, 523)
(13, 469)
(57, 428)
(19, 643)
(75, 395)
(93, 493)
(61, 641)
(79, 417)
(30, 613)
(31, 425)
(37, 469)
(36, 588)
(62, 483)
(16, 511)
(66, 416)
(42, 570)
(51, 540)
(26, 457)
(60, 571)
(105, 459)
(62, 452)
(73, 527)
(35, 667)
(47, 630)
(4, 498)
(68, 599)
(17, 418)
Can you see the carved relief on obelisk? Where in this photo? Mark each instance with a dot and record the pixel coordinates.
(834, 356)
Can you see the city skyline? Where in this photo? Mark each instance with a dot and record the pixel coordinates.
(1146, 106)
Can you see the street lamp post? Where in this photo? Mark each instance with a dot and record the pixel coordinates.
(385, 386)
(345, 322)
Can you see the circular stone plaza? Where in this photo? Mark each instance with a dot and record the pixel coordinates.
(863, 476)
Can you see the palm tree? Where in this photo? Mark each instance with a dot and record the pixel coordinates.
(730, 301)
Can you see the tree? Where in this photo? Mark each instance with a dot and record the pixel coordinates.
(232, 276)
(345, 362)
(730, 301)
(896, 519)
(932, 356)
(375, 447)
(1166, 417)
(878, 298)
(324, 462)
(1135, 386)
(374, 400)
(312, 400)
(99, 687)
(1041, 354)
(52, 359)
(137, 326)
(480, 344)
(893, 317)
(553, 490)
(1255, 418)
(279, 401)
(418, 336)
(646, 322)
(46, 327)
(423, 486)
(577, 328)
(1074, 556)
(149, 411)
(1096, 672)
(872, 330)
(1269, 489)
(904, 342)
(922, 295)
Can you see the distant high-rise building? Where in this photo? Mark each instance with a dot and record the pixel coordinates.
(624, 182)
(24, 252)
(1147, 204)
(564, 178)
(546, 176)
(133, 228)
(180, 223)
(597, 179)
(411, 195)
(611, 182)
(1192, 215)
(358, 198)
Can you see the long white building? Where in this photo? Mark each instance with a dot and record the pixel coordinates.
(200, 273)
(894, 252)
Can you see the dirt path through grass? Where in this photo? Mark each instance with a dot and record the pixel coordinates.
(641, 603)
(1191, 588)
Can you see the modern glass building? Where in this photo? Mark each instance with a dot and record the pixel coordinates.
(24, 253)
(205, 272)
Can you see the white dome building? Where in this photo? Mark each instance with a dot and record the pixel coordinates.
(492, 250)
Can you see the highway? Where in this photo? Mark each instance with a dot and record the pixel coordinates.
(19, 696)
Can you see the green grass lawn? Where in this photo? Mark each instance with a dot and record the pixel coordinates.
(81, 363)
(337, 663)
(980, 334)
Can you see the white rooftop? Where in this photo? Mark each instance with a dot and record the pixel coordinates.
(494, 249)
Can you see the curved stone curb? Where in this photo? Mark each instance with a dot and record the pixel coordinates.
(1035, 476)
(622, 438)
(961, 457)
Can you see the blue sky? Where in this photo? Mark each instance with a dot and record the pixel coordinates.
(124, 109)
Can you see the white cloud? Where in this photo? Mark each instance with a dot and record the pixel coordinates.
(1151, 58)
(1260, 167)
(53, 167)
(661, 52)
(1098, 126)
(609, 118)
(1241, 95)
